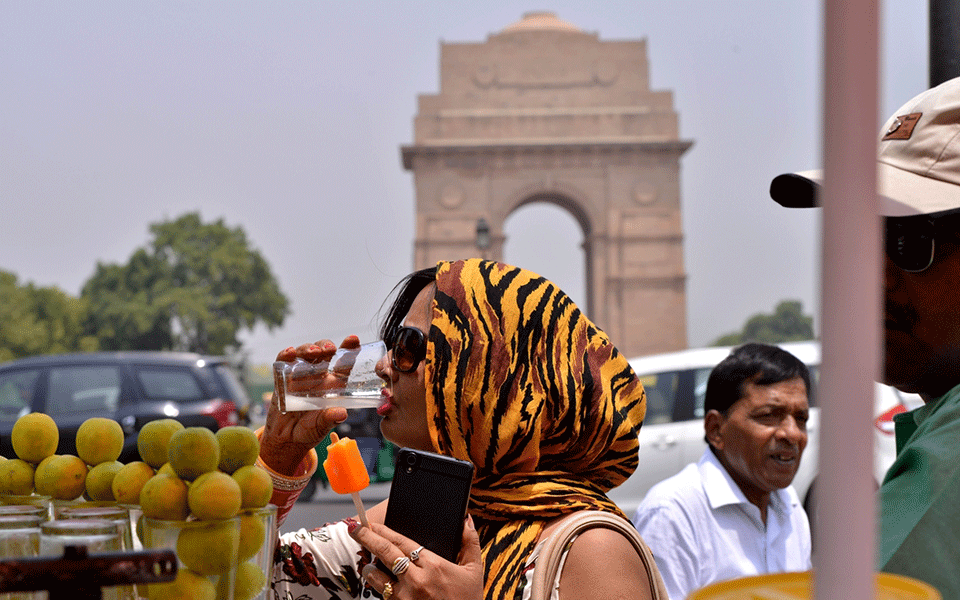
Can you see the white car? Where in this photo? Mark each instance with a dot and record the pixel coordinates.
(672, 432)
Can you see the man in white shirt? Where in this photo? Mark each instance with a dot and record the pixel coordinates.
(733, 513)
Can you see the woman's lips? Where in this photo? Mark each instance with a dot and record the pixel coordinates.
(386, 402)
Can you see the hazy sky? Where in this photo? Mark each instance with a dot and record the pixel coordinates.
(286, 119)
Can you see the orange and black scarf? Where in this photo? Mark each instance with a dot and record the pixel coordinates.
(523, 385)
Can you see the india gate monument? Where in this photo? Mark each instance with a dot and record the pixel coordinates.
(545, 112)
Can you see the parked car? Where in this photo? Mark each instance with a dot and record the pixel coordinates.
(129, 387)
(672, 433)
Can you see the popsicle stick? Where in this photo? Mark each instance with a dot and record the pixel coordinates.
(359, 504)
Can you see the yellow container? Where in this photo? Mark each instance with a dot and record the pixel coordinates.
(799, 586)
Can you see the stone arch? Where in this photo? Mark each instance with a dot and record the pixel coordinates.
(573, 202)
(567, 197)
(543, 111)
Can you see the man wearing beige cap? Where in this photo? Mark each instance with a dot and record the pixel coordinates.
(919, 196)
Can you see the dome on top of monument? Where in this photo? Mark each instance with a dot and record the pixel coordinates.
(541, 21)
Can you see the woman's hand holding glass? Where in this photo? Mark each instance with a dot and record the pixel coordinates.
(288, 438)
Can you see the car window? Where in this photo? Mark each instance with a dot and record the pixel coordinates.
(237, 393)
(83, 389)
(16, 392)
(700, 377)
(170, 384)
(661, 390)
(209, 381)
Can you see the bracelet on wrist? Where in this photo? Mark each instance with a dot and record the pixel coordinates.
(285, 483)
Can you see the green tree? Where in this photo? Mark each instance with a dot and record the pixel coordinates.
(39, 320)
(192, 288)
(123, 312)
(786, 324)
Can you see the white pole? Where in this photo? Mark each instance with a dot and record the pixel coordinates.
(845, 549)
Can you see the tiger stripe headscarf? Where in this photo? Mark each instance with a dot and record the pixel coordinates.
(523, 385)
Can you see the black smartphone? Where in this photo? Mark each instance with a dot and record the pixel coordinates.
(428, 500)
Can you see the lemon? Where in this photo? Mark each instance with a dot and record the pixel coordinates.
(16, 477)
(42, 479)
(193, 451)
(252, 535)
(164, 497)
(129, 481)
(209, 547)
(239, 447)
(187, 586)
(34, 437)
(140, 520)
(99, 483)
(99, 440)
(256, 486)
(154, 439)
(214, 495)
(247, 583)
(63, 477)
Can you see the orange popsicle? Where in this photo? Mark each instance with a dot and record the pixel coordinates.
(345, 470)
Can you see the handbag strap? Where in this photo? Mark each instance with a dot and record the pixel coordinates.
(548, 562)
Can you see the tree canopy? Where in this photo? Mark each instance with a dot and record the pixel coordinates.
(786, 324)
(192, 288)
(39, 320)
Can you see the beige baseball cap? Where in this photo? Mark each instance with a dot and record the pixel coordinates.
(918, 164)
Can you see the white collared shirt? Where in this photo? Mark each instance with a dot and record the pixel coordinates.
(702, 529)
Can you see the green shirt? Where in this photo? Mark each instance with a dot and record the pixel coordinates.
(920, 497)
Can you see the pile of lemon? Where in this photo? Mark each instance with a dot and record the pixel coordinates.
(185, 474)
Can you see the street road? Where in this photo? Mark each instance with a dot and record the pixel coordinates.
(328, 506)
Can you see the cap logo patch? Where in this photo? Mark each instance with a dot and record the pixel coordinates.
(902, 127)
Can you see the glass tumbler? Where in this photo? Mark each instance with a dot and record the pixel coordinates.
(117, 515)
(57, 506)
(206, 552)
(19, 538)
(44, 502)
(98, 535)
(258, 531)
(114, 513)
(24, 509)
(136, 515)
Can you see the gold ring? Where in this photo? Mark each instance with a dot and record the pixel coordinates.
(387, 591)
(415, 554)
(400, 565)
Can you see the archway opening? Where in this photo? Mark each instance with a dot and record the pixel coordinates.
(547, 239)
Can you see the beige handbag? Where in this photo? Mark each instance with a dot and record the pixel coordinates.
(548, 562)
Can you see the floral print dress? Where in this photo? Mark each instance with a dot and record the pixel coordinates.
(325, 563)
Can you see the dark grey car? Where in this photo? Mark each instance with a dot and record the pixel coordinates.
(130, 387)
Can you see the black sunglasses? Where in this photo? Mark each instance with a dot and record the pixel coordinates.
(910, 242)
(409, 346)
